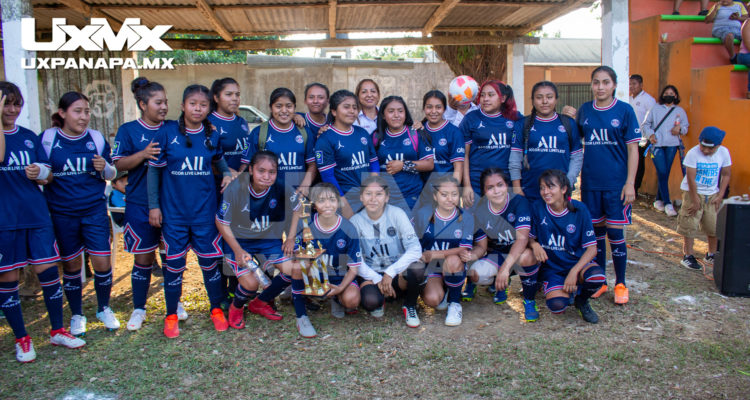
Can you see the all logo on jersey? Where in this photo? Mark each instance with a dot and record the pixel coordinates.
(77, 164)
(358, 158)
(556, 241)
(192, 164)
(29, 143)
(260, 225)
(19, 158)
(601, 135)
(290, 159)
(570, 228)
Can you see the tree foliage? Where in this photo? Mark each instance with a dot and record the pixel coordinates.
(391, 54)
(481, 62)
(213, 56)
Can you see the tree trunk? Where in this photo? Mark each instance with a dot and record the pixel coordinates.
(481, 62)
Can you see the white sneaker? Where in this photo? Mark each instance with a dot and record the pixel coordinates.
(455, 314)
(25, 350)
(78, 325)
(659, 205)
(136, 319)
(669, 209)
(181, 313)
(378, 312)
(109, 319)
(410, 314)
(337, 310)
(65, 339)
(305, 328)
(443, 304)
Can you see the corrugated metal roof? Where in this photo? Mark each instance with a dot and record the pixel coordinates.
(564, 52)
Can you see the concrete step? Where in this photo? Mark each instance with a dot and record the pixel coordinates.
(644, 9)
(738, 83)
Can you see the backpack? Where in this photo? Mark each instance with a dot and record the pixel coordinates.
(263, 135)
(564, 120)
(48, 140)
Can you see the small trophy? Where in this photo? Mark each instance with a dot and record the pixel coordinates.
(308, 256)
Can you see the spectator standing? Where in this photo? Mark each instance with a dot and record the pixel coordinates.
(641, 103)
(678, 3)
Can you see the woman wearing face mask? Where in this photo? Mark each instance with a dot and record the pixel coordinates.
(665, 124)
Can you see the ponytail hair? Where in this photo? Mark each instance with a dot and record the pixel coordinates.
(216, 89)
(611, 72)
(433, 94)
(207, 127)
(508, 107)
(337, 98)
(557, 177)
(143, 90)
(376, 180)
(65, 102)
(488, 172)
(529, 122)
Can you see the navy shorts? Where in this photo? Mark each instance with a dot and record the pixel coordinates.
(202, 239)
(139, 236)
(34, 246)
(554, 279)
(266, 256)
(76, 234)
(606, 206)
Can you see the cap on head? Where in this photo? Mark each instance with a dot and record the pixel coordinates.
(711, 136)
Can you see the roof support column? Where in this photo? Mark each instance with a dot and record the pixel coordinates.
(515, 68)
(25, 79)
(616, 43)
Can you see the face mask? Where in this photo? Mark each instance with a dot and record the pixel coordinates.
(667, 99)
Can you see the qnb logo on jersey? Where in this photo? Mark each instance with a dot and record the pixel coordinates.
(98, 36)
(600, 136)
(193, 166)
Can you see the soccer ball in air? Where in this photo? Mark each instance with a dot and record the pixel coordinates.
(463, 89)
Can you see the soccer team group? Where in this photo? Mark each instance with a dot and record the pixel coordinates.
(470, 195)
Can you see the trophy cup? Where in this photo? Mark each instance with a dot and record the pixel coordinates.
(308, 256)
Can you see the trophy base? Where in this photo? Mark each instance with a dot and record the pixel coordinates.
(305, 256)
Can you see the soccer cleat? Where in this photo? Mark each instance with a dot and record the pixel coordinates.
(588, 313)
(337, 310)
(260, 307)
(470, 290)
(305, 328)
(454, 315)
(621, 294)
(599, 292)
(443, 304)
(25, 350)
(530, 310)
(690, 262)
(378, 312)
(78, 325)
(61, 337)
(219, 320)
(659, 205)
(181, 313)
(171, 326)
(136, 319)
(108, 318)
(410, 314)
(669, 210)
(501, 296)
(236, 317)
(709, 259)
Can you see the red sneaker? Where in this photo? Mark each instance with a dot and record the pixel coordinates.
(260, 307)
(236, 317)
(171, 326)
(220, 322)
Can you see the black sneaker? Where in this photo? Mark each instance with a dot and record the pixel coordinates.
(675, 13)
(703, 12)
(690, 262)
(588, 313)
(709, 259)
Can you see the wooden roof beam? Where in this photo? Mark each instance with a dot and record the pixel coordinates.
(438, 16)
(332, 18)
(207, 12)
(554, 13)
(91, 12)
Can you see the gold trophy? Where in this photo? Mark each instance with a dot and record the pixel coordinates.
(308, 257)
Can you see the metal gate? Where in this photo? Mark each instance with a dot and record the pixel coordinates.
(573, 94)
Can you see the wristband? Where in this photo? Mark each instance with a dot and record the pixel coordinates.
(410, 167)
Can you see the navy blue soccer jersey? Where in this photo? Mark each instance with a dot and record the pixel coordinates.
(257, 217)
(548, 148)
(448, 143)
(401, 146)
(349, 154)
(22, 204)
(77, 188)
(290, 146)
(564, 236)
(437, 233)
(490, 137)
(341, 244)
(606, 133)
(131, 138)
(500, 226)
(233, 137)
(312, 127)
(188, 191)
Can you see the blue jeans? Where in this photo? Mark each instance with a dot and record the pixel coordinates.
(744, 59)
(663, 159)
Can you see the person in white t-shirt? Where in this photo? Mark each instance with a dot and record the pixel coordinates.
(703, 188)
(642, 103)
(456, 111)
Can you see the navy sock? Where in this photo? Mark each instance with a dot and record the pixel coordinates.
(49, 279)
(278, 284)
(528, 281)
(242, 296)
(73, 291)
(601, 246)
(298, 299)
(212, 280)
(593, 279)
(163, 258)
(619, 250)
(454, 283)
(11, 306)
(173, 284)
(140, 279)
(103, 287)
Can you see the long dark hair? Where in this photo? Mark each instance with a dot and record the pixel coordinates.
(65, 102)
(382, 125)
(335, 100)
(488, 172)
(207, 127)
(433, 94)
(317, 84)
(611, 72)
(359, 87)
(216, 89)
(376, 180)
(508, 107)
(279, 93)
(12, 93)
(676, 94)
(529, 122)
(557, 177)
(439, 182)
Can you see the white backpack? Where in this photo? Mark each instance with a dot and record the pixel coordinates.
(48, 140)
